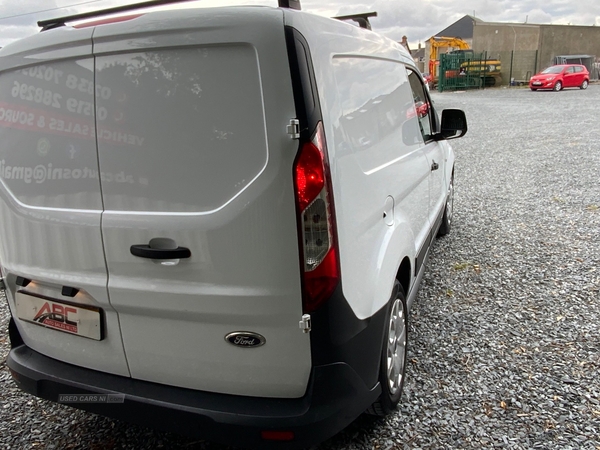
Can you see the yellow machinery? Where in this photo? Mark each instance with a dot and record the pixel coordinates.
(487, 69)
(436, 42)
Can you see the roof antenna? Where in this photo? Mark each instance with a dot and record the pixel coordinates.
(291, 4)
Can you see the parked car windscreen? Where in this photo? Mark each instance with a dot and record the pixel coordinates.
(553, 69)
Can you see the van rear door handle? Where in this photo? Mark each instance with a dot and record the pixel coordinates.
(434, 166)
(145, 251)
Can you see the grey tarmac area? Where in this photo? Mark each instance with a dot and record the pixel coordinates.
(505, 333)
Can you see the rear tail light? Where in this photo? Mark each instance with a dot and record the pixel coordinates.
(319, 260)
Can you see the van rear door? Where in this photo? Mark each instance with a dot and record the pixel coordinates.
(50, 202)
(194, 154)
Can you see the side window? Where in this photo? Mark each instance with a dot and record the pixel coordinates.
(578, 69)
(570, 70)
(375, 122)
(422, 105)
(374, 99)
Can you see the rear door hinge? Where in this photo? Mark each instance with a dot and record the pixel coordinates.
(293, 129)
(305, 324)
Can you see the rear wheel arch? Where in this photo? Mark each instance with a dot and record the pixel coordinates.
(393, 355)
(404, 273)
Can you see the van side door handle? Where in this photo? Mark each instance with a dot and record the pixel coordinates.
(145, 251)
(434, 166)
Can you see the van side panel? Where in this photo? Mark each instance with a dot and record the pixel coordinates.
(50, 201)
(379, 174)
(364, 89)
(203, 160)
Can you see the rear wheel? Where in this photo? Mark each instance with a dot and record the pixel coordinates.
(584, 85)
(558, 86)
(393, 357)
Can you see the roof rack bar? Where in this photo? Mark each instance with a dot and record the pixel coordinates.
(361, 19)
(60, 21)
(291, 4)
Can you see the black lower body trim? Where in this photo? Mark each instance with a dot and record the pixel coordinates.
(335, 397)
(428, 240)
(337, 335)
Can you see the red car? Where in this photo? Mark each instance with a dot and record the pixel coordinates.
(561, 76)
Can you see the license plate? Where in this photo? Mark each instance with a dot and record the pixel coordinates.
(81, 320)
(537, 83)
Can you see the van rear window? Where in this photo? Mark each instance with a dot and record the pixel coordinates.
(184, 129)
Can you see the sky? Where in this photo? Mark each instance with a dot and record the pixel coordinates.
(418, 20)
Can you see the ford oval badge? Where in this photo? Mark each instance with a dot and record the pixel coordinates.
(245, 339)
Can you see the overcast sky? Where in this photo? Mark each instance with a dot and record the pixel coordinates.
(417, 19)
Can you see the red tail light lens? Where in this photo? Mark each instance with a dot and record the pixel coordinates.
(310, 177)
(316, 223)
(320, 283)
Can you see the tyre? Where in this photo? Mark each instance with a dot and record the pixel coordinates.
(489, 81)
(558, 86)
(448, 211)
(584, 85)
(393, 355)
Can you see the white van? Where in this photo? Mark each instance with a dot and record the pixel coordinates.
(214, 221)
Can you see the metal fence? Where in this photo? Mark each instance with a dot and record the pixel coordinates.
(520, 66)
(468, 70)
(511, 68)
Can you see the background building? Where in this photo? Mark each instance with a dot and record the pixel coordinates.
(523, 48)
(532, 47)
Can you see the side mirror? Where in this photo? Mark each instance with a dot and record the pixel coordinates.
(454, 124)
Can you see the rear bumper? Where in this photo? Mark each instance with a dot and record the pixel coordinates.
(335, 397)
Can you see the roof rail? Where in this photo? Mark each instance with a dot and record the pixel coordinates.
(60, 21)
(361, 19)
(291, 4)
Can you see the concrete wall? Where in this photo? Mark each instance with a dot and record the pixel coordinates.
(502, 37)
(524, 65)
(534, 46)
(567, 40)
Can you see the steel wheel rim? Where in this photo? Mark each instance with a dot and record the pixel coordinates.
(396, 347)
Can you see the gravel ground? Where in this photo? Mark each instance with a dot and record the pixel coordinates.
(504, 335)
